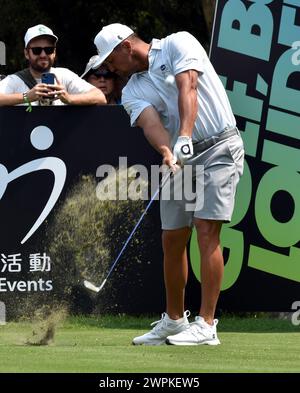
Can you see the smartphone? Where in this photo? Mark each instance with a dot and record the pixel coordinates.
(48, 78)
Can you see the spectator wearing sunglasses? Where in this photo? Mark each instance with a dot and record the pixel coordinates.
(26, 87)
(108, 82)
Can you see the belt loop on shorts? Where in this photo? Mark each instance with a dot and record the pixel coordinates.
(205, 144)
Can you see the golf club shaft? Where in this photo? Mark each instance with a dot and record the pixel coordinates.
(136, 226)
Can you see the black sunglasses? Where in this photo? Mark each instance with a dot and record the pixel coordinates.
(104, 74)
(37, 50)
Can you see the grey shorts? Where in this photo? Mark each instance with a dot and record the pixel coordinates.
(208, 185)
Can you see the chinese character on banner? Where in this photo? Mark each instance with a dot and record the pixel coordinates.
(11, 263)
(39, 263)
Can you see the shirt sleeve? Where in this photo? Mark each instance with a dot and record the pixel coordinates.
(11, 84)
(133, 105)
(186, 53)
(72, 82)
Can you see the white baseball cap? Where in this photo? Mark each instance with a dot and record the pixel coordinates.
(108, 38)
(37, 31)
(91, 65)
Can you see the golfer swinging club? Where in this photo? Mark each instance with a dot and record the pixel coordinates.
(176, 97)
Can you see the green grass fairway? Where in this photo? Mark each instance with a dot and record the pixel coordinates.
(103, 345)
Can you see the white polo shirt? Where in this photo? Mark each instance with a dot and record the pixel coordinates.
(71, 81)
(169, 56)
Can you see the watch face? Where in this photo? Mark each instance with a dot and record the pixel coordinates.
(185, 149)
(45, 102)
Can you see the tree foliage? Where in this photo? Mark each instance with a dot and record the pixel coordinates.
(76, 22)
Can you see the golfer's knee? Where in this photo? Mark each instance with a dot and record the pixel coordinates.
(208, 233)
(177, 238)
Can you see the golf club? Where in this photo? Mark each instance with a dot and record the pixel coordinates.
(93, 287)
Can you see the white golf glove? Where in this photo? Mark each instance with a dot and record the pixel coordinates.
(183, 149)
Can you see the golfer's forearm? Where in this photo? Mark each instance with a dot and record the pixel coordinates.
(159, 139)
(154, 130)
(11, 99)
(187, 104)
(187, 101)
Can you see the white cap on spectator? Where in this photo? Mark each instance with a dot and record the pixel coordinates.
(37, 31)
(94, 60)
(108, 38)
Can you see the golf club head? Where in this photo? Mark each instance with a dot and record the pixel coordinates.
(93, 287)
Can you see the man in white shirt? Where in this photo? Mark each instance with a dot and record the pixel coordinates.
(176, 97)
(69, 88)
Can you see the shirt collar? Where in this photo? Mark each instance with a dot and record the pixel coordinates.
(156, 44)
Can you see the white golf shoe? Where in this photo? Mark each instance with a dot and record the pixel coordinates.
(198, 333)
(163, 328)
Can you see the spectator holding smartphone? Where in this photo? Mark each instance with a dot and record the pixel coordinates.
(108, 82)
(26, 88)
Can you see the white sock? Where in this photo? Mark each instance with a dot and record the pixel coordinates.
(203, 321)
(180, 320)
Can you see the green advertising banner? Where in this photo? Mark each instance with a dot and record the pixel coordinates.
(256, 52)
